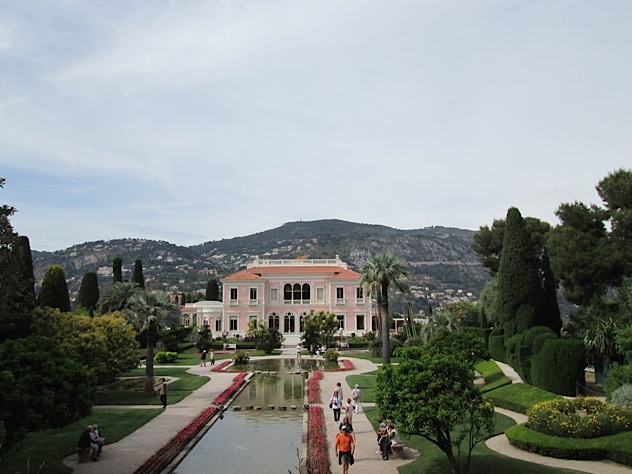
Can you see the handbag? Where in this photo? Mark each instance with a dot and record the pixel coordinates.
(331, 405)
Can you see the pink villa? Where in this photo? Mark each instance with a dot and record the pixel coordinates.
(280, 292)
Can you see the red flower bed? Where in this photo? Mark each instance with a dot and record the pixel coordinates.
(317, 454)
(221, 366)
(169, 451)
(313, 387)
(347, 365)
(223, 397)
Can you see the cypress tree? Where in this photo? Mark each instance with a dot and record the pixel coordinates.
(520, 294)
(54, 291)
(137, 275)
(88, 292)
(117, 270)
(212, 290)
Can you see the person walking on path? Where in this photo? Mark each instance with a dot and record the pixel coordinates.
(203, 358)
(348, 409)
(340, 394)
(334, 403)
(212, 357)
(356, 393)
(163, 393)
(345, 447)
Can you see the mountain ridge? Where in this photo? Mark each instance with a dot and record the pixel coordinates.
(439, 258)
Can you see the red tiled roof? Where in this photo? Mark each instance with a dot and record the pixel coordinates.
(259, 273)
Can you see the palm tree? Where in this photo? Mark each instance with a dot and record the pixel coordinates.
(384, 271)
(151, 311)
(117, 296)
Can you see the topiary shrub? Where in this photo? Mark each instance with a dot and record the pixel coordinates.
(582, 417)
(166, 357)
(331, 355)
(512, 347)
(559, 366)
(622, 396)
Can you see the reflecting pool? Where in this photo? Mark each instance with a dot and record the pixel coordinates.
(256, 438)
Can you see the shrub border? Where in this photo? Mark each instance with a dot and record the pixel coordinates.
(594, 449)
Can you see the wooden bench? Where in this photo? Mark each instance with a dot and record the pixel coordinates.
(398, 450)
(230, 346)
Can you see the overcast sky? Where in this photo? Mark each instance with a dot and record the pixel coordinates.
(194, 121)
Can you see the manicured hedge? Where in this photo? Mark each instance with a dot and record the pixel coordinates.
(497, 346)
(519, 397)
(493, 375)
(617, 448)
(358, 344)
(559, 366)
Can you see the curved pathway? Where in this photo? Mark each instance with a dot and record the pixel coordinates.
(501, 444)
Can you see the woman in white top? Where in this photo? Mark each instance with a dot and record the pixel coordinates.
(355, 396)
(335, 403)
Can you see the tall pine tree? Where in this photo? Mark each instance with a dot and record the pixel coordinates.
(212, 290)
(519, 304)
(137, 275)
(88, 292)
(117, 270)
(17, 283)
(54, 291)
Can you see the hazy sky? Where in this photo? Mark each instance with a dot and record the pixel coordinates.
(194, 121)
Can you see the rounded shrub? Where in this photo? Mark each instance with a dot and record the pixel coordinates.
(166, 357)
(331, 355)
(582, 417)
(622, 396)
(241, 357)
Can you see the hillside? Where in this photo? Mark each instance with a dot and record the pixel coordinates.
(439, 258)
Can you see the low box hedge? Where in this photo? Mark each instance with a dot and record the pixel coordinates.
(493, 375)
(617, 448)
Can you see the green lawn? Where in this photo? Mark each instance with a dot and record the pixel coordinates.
(178, 389)
(50, 447)
(366, 382)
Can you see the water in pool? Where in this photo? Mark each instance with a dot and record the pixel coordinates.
(255, 440)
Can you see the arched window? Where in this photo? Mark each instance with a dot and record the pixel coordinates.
(297, 292)
(273, 321)
(289, 322)
(287, 292)
(305, 295)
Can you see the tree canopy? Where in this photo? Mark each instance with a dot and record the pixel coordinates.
(435, 397)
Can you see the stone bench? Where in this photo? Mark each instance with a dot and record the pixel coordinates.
(83, 455)
(398, 450)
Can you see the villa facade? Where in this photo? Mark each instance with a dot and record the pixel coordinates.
(280, 293)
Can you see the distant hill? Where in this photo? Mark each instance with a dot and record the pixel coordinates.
(440, 259)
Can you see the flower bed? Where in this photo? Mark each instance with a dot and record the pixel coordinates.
(220, 367)
(346, 365)
(223, 397)
(313, 387)
(579, 418)
(169, 451)
(317, 455)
